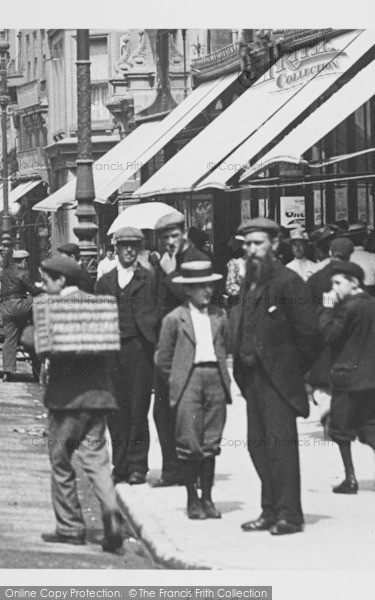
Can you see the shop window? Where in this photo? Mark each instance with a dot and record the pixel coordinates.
(99, 59)
(99, 99)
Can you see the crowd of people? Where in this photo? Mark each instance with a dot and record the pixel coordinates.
(298, 318)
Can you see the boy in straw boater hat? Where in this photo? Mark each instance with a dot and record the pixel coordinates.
(191, 358)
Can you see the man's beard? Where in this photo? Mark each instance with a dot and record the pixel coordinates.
(258, 271)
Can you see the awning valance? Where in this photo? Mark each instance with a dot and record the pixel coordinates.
(21, 190)
(258, 116)
(125, 159)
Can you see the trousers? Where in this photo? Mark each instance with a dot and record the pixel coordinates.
(201, 414)
(273, 447)
(15, 313)
(165, 421)
(132, 377)
(83, 431)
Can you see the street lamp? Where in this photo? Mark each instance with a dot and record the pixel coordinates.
(87, 228)
(4, 101)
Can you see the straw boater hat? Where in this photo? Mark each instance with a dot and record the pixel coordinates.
(197, 271)
(298, 234)
(20, 254)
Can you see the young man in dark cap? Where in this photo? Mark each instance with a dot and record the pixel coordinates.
(71, 250)
(175, 251)
(78, 399)
(275, 344)
(17, 291)
(347, 323)
(134, 288)
(191, 359)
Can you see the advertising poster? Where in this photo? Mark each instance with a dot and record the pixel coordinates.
(292, 211)
(245, 210)
(341, 203)
(362, 203)
(263, 207)
(318, 217)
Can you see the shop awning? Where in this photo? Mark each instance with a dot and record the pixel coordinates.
(258, 116)
(125, 159)
(21, 190)
(336, 109)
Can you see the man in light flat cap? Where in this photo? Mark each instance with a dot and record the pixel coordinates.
(17, 291)
(274, 346)
(176, 249)
(347, 323)
(134, 288)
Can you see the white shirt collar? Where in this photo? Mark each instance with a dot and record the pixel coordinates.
(69, 290)
(126, 269)
(194, 309)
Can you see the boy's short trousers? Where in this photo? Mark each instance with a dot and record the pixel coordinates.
(200, 415)
(352, 415)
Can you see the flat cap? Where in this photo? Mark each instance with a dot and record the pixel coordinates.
(322, 233)
(173, 219)
(259, 224)
(128, 234)
(342, 247)
(63, 266)
(70, 248)
(348, 268)
(19, 254)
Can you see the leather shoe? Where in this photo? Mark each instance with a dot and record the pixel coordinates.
(57, 538)
(283, 527)
(136, 478)
(161, 482)
(261, 524)
(7, 376)
(113, 537)
(210, 509)
(346, 487)
(195, 510)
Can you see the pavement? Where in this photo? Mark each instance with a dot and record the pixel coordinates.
(339, 532)
(25, 499)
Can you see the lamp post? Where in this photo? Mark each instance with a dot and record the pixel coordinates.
(4, 101)
(87, 227)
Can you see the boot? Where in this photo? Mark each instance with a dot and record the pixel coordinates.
(194, 507)
(113, 537)
(207, 476)
(349, 485)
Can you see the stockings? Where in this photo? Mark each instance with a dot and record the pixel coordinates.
(346, 455)
(206, 471)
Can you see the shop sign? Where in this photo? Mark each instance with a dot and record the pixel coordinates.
(341, 203)
(31, 162)
(300, 65)
(292, 211)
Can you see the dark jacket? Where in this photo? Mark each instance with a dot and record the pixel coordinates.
(349, 328)
(175, 352)
(144, 301)
(171, 295)
(319, 283)
(16, 283)
(285, 337)
(79, 382)
(86, 282)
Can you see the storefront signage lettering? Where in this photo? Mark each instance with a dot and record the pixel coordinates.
(292, 211)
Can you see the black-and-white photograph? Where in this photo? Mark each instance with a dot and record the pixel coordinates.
(187, 302)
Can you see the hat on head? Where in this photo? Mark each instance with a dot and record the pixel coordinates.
(127, 234)
(348, 268)
(70, 248)
(322, 233)
(62, 265)
(173, 219)
(342, 248)
(197, 271)
(20, 254)
(259, 224)
(298, 234)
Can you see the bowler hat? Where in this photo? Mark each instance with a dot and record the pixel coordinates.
(322, 233)
(128, 234)
(20, 254)
(348, 268)
(70, 248)
(259, 224)
(62, 265)
(173, 219)
(197, 271)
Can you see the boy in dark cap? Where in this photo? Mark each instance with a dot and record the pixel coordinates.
(78, 399)
(347, 323)
(191, 359)
(71, 251)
